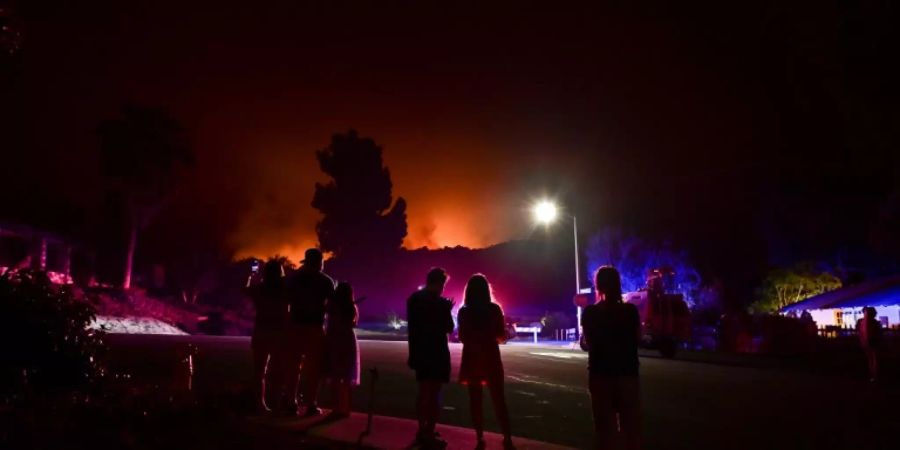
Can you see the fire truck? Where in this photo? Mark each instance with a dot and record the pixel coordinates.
(665, 317)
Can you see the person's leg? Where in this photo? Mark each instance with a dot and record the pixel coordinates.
(604, 415)
(272, 377)
(498, 398)
(421, 395)
(427, 408)
(335, 386)
(285, 368)
(341, 395)
(875, 366)
(630, 411)
(347, 395)
(432, 405)
(260, 361)
(312, 363)
(868, 354)
(872, 358)
(296, 367)
(293, 369)
(438, 401)
(476, 400)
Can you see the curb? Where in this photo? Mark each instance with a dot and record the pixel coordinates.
(388, 433)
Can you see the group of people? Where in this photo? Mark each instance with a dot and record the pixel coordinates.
(293, 348)
(612, 332)
(294, 345)
(481, 329)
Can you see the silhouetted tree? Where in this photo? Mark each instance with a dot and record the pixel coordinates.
(356, 202)
(11, 34)
(786, 286)
(636, 257)
(142, 153)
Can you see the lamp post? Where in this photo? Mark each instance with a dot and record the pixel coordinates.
(545, 212)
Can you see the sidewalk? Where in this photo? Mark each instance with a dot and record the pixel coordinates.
(387, 433)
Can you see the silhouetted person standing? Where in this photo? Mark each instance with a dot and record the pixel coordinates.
(870, 337)
(481, 330)
(430, 322)
(308, 291)
(269, 326)
(341, 348)
(612, 331)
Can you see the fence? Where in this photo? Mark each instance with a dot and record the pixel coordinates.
(834, 331)
(565, 334)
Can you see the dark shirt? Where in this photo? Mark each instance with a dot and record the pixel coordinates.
(270, 305)
(612, 331)
(308, 291)
(429, 321)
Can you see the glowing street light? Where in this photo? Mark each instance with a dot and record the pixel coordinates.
(545, 212)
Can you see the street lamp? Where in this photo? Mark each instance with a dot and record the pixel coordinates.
(545, 212)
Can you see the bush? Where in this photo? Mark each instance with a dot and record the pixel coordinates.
(44, 335)
(786, 286)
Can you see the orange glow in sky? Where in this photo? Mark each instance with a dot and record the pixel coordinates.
(456, 195)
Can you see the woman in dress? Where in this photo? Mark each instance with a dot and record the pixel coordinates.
(341, 348)
(481, 330)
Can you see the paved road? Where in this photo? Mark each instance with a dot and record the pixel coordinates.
(686, 405)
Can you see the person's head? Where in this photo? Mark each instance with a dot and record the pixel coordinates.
(436, 280)
(608, 284)
(273, 273)
(869, 312)
(313, 259)
(478, 291)
(343, 293)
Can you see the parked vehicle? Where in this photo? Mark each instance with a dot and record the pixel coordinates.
(665, 317)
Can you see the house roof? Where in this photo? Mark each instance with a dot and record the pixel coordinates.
(880, 292)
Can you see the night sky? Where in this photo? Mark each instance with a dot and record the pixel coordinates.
(756, 132)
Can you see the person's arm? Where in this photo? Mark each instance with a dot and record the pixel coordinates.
(499, 324)
(253, 291)
(878, 332)
(585, 341)
(412, 322)
(354, 314)
(329, 289)
(636, 323)
(253, 280)
(450, 324)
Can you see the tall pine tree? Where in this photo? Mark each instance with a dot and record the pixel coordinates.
(359, 220)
